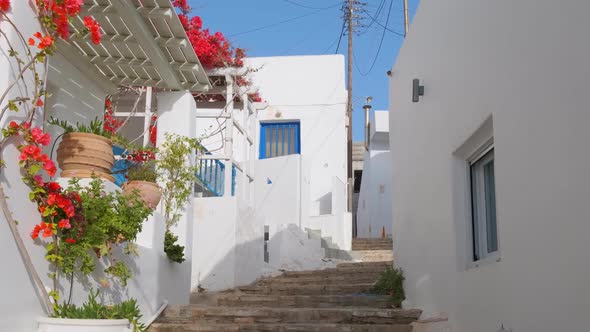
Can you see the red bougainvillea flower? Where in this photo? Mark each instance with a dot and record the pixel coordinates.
(40, 137)
(13, 125)
(46, 42)
(30, 152)
(32, 42)
(4, 5)
(53, 187)
(35, 232)
(68, 240)
(49, 167)
(64, 223)
(47, 232)
(94, 29)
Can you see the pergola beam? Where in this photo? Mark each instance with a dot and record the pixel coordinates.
(151, 12)
(71, 53)
(134, 21)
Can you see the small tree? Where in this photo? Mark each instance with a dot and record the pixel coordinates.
(177, 174)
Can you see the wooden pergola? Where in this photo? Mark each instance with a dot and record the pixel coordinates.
(143, 44)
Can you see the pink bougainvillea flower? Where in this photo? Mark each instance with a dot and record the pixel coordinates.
(39, 180)
(64, 223)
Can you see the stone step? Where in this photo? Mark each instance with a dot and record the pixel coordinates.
(372, 244)
(160, 327)
(364, 266)
(311, 289)
(349, 272)
(191, 314)
(316, 279)
(306, 301)
(374, 255)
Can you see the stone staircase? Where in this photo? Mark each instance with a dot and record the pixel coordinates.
(330, 300)
(373, 249)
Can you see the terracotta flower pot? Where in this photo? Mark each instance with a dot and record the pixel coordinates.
(82, 154)
(149, 191)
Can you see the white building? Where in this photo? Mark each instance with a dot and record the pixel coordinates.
(288, 204)
(80, 76)
(374, 206)
(490, 183)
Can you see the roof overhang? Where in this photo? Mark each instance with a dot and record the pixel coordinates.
(143, 44)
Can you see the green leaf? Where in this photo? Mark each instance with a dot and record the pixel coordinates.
(34, 169)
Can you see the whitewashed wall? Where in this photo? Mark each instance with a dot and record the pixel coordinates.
(287, 191)
(525, 68)
(20, 304)
(374, 207)
(309, 89)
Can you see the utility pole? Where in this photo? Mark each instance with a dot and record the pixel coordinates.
(406, 18)
(350, 13)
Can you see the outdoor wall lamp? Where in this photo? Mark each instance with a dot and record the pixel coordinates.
(417, 90)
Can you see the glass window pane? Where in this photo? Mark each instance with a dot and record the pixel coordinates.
(474, 214)
(267, 135)
(490, 196)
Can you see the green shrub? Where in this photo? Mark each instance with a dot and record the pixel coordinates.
(175, 252)
(93, 309)
(391, 282)
(142, 172)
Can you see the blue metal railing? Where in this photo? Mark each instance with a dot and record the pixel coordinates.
(211, 175)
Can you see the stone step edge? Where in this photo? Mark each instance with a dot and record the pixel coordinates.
(277, 327)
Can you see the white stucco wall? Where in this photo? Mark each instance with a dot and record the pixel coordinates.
(308, 89)
(73, 97)
(525, 67)
(20, 303)
(374, 207)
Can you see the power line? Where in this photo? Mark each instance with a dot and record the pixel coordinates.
(281, 22)
(304, 6)
(373, 19)
(380, 43)
(340, 38)
(377, 13)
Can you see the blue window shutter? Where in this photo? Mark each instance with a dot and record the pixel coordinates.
(279, 139)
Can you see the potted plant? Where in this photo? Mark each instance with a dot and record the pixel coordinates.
(79, 226)
(85, 150)
(142, 178)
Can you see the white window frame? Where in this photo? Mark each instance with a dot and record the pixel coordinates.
(478, 231)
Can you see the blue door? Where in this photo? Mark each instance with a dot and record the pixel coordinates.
(279, 139)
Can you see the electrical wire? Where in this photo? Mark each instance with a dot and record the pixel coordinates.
(340, 38)
(304, 6)
(380, 43)
(377, 13)
(373, 19)
(281, 22)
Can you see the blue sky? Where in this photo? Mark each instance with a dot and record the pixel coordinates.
(313, 27)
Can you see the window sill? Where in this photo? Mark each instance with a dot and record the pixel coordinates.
(492, 258)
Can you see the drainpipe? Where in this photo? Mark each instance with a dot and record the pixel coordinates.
(367, 108)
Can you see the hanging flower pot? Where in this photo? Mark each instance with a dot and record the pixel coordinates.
(150, 192)
(86, 325)
(83, 154)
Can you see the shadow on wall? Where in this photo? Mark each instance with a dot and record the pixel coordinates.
(289, 249)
